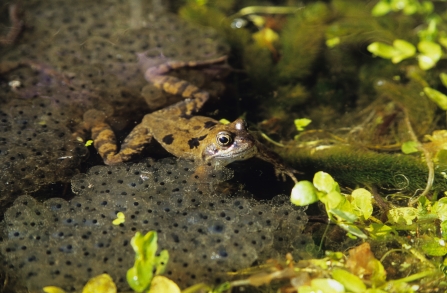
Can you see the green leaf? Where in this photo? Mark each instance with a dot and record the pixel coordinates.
(435, 247)
(382, 50)
(332, 42)
(324, 182)
(353, 230)
(403, 50)
(53, 289)
(443, 41)
(335, 200)
(410, 8)
(440, 209)
(443, 77)
(161, 284)
(161, 262)
(147, 262)
(427, 7)
(343, 215)
(300, 124)
(362, 203)
(439, 98)
(326, 286)
(375, 290)
(224, 287)
(120, 218)
(431, 53)
(378, 276)
(224, 121)
(381, 8)
(444, 230)
(351, 282)
(303, 193)
(409, 147)
(403, 216)
(100, 284)
(379, 231)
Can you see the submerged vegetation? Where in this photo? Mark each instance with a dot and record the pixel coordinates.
(371, 80)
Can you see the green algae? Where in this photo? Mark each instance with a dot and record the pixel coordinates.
(353, 168)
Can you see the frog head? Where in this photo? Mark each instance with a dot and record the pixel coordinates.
(228, 143)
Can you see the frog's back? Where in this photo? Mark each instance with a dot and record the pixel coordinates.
(181, 136)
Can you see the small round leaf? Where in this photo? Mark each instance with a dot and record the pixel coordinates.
(303, 193)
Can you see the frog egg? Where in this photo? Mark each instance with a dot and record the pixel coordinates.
(206, 235)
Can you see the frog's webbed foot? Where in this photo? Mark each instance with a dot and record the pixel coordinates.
(104, 139)
(281, 170)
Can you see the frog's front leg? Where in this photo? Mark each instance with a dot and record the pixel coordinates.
(104, 139)
(280, 168)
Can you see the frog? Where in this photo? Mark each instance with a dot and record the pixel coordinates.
(179, 131)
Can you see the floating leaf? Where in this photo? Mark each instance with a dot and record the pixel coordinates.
(439, 98)
(381, 8)
(381, 50)
(410, 8)
(332, 42)
(403, 50)
(431, 53)
(120, 218)
(100, 284)
(427, 7)
(443, 78)
(224, 121)
(300, 124)
(162, 284)
(362, 203)
(410, 147)
(351, 282)
(53, 289)
(324, 182)
(303, 193)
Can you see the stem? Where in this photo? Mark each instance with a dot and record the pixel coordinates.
(428, 160)
(415, 277)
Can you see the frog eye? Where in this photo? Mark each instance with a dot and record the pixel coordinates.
(224, 139)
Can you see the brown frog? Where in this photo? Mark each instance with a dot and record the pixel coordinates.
(198, 138)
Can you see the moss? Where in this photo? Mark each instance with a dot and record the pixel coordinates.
(353, 168)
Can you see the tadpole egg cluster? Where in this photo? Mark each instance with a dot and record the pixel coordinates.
(207, 234)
